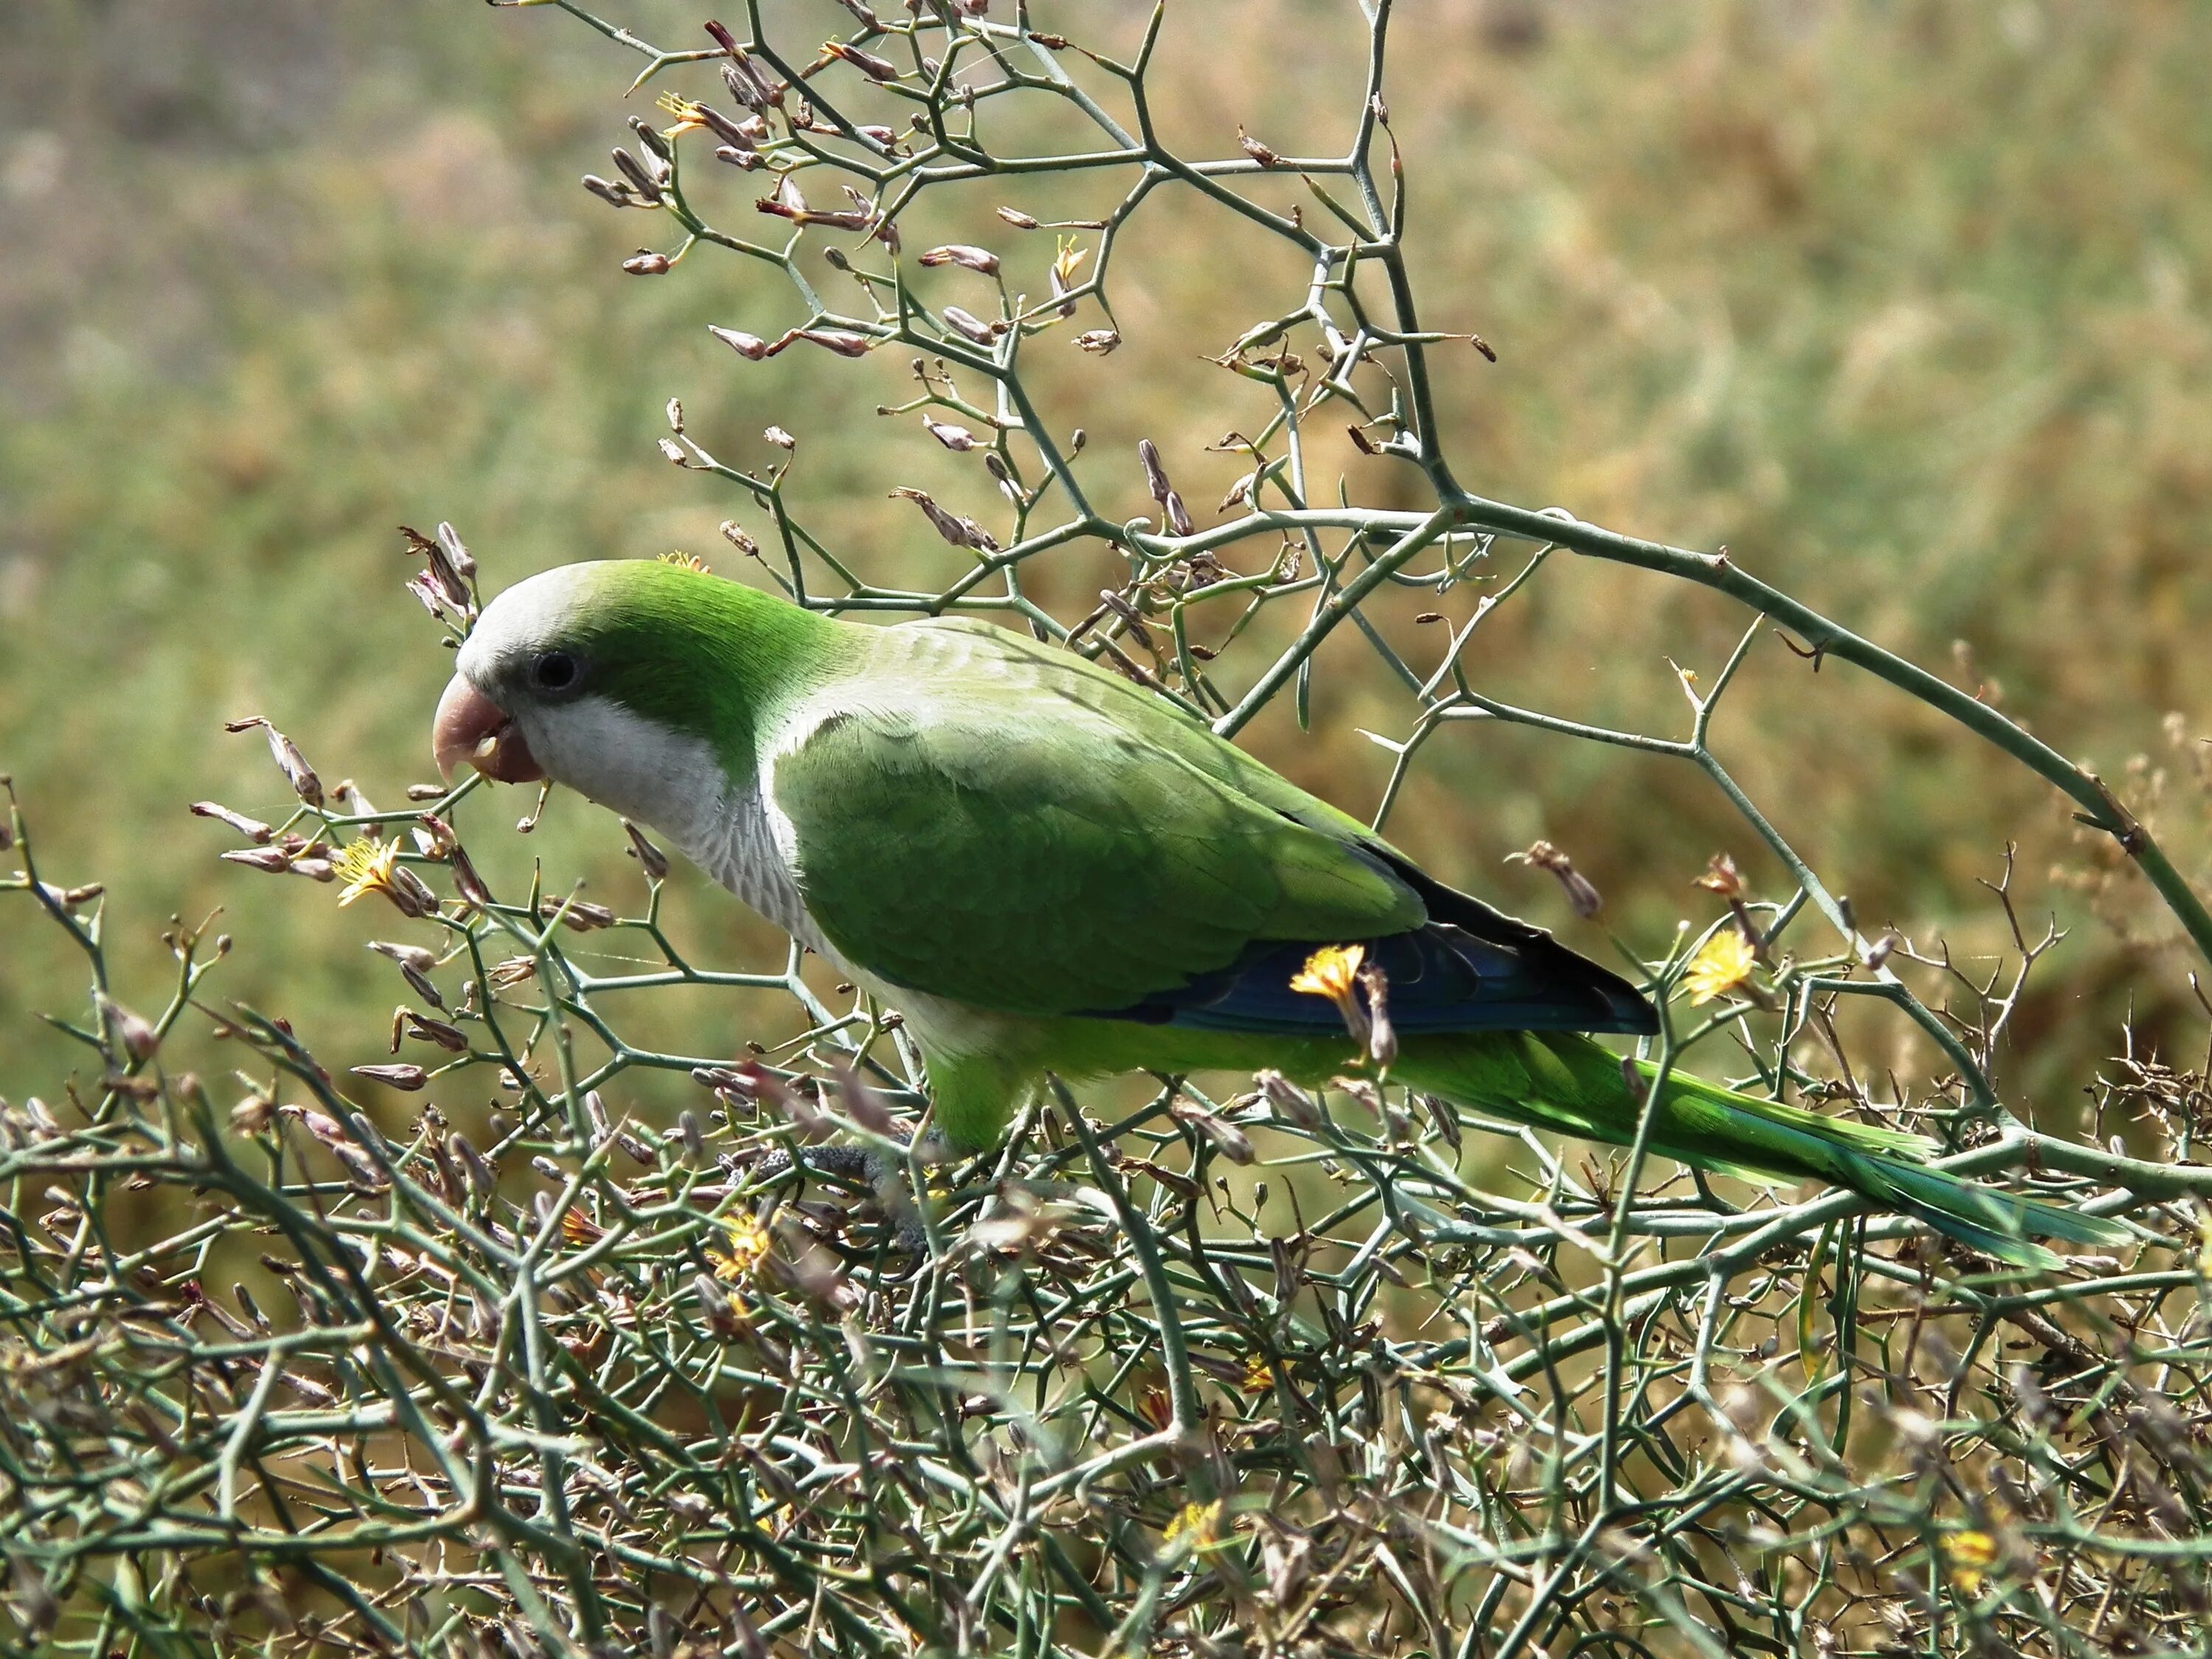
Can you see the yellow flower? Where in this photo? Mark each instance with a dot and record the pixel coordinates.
(1257, 1378)
(2204, 1246)
(689, 117)
(683, 561)
(1331, 972)
(1721, 964)
(1198, 1523)
(1068, 260)
(366, 866)
(749, 1244)
(1968, 1556)
(579, 1229)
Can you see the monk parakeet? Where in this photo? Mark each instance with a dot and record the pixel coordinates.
(1047, 868)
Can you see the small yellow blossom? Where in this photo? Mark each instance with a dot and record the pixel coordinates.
(1330, 971)
(1257, 1378)
(1967, 1557)
(367, 866)
(1199, 1524)
(579, 1229)
(1723, 964)
(2204, 1246)
(690, 116)
(683, 561)
(1068, 260)
(749, 1244)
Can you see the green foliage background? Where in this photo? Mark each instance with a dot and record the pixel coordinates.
(1907, 303)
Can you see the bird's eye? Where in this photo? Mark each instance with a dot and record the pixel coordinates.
(555, 672)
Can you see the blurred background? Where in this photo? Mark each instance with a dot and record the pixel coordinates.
(1904, 302)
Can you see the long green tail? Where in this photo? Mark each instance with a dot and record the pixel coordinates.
(1569, 1084)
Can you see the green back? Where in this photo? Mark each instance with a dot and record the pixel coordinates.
(997, 822)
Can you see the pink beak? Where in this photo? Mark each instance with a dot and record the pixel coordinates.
(471, 727)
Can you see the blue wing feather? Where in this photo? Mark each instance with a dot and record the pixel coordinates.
(1469, 968)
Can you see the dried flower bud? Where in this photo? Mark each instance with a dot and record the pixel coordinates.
(747, 84)
(1581, 897)
(1098, 342)
(960, 253)
(957, 439)
(863, 1104)
(407, 956)
(607, 191)
(780, 437)
(733, 533)
(1720, 876)
(1156, 476)
(837, 340)
(692, 1136)
(1018, 218)
(419, 983)
(457, 554)
(132, 1034)
(961, 532)
(640, 179)
(744, 160)
(1258, 151)
(1290, 1103)
(408, 1079)
(650, 859)
(650, 138)
(1382, 1035)
(469, 884)
(969, 325)
(252, 1115)
(673, 450)
(423, 1029)
(875, 67)
(1177, 516)
(273, 859)
(862, 14)
(751, 347)
(408, 894)
(578, 913)
(1231, 1142)
(253, 828)
(293, 765)
(1445, 1116)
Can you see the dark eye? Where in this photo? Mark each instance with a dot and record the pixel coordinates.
(555, 672)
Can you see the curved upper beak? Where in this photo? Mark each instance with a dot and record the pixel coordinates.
(471, 727)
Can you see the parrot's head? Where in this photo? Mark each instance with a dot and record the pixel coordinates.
(633, 683)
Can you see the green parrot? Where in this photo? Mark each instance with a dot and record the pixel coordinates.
(1048, 869)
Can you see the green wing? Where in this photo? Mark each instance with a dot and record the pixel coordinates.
(999, 823)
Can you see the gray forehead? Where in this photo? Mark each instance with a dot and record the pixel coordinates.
(519, 623)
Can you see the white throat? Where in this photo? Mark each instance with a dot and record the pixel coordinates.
(674, 784)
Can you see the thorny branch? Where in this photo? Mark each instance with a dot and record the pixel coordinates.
(1278, 1373)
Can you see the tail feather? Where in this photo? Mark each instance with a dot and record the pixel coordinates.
(1569, 1083)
